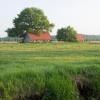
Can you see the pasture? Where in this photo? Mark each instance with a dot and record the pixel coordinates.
(50, 71)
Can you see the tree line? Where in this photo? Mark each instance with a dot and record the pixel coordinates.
(34, 20)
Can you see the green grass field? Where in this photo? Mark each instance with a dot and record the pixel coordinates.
(50, 71)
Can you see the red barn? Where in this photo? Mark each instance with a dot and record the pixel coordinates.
(80, 38)
(30, 37)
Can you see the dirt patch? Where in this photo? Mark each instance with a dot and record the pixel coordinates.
(84, 87)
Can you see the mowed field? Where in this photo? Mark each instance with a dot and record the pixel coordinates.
(50, 71)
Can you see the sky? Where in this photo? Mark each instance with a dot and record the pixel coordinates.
(83, 15)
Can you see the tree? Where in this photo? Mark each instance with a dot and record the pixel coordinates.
(30, 20)
(66, 34)
(61, 34)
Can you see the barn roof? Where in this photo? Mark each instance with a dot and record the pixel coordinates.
(41, 36)
(80, 37)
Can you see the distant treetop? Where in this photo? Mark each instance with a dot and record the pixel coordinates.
(66, 34)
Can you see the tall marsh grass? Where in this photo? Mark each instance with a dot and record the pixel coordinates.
(49, 71)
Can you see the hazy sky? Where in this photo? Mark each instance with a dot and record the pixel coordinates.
(83, 15)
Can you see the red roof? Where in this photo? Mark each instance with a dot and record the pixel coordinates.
(80, 37)
(42, 36)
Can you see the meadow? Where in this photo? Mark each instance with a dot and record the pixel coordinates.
(50, 71)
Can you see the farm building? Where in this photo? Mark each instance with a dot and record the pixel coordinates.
(80, 38)
(30, 37)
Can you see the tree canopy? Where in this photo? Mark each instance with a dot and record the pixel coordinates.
(66, 34)
(30, 20)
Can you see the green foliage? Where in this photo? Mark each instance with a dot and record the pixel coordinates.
(30, 20)
(62, 88)
(12, 32)
(66, 34)
(62, 34)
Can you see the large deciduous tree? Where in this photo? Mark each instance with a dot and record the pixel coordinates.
(66, 34)
(30, 20)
